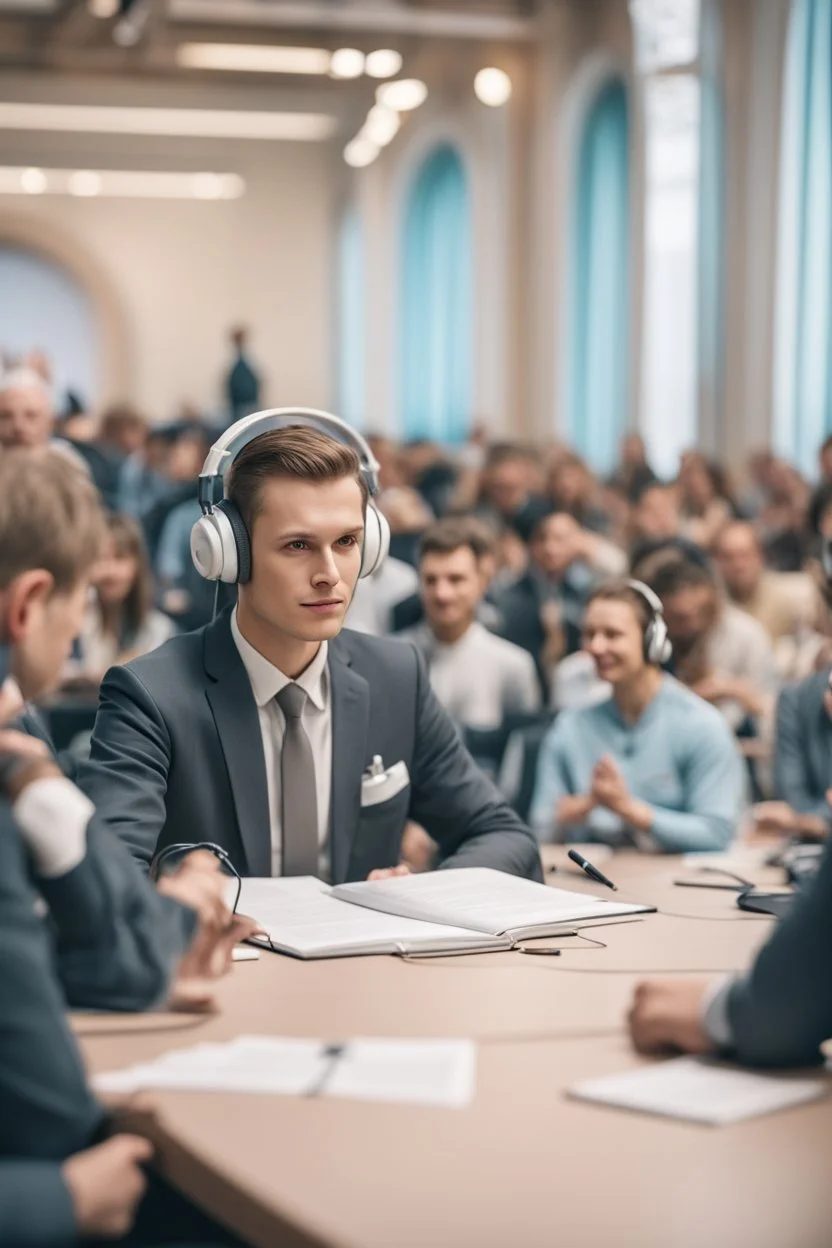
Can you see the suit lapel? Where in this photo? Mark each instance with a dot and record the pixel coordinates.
(350, 721)
(238, 727)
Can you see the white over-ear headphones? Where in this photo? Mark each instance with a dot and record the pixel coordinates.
(220, 545)
(657, 644)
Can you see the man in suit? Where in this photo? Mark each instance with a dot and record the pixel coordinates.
(268, 731)
(802, 760)
(778, 1014)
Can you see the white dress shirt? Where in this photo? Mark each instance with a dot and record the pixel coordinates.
(266, 682)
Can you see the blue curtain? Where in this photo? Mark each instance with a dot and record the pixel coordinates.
(435, 318)
(599, 322)
(351, 303)
(803, 380)
(710, 301)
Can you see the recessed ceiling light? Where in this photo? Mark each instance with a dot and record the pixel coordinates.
(85, 183)
(207, 123)
(347, 63)
(33, 181)
(492, 87)
(360, 152)
(382, 125)
(253, 58)
(402, 95)
(384, 63)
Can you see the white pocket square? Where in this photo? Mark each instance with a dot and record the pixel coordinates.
(380, 788)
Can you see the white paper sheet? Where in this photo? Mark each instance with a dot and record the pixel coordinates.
(419, 1072)
(701, 1090)
(482, 899)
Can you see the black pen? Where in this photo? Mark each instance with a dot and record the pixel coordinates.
(592, 872)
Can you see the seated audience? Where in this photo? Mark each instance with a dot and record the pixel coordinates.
(195, 734)
(802, 761)
(656, 526)
(509, 484)
(781, 601)
(572, 488)
(478, 678)
(541, 611)
(719, 652)
(705, 502)
(121, 622)
(27, 414)
(653, 765)
(777, 1014)
(379, 597)
(633, 473)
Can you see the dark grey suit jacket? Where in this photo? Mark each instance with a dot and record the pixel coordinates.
(803, 746)
(177, 755)
(781, 1012)
(46, 1109)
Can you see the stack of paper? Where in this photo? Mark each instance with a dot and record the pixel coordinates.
(701, 1090)
(422, 1072)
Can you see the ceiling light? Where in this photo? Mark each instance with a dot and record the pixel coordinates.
(402, 95)
(492, 87)
(33, 181)
(252, 58)
(360, 152)
(184, 122)
(347, 63)
(384, 63)
(381, 126)
(124, 183)
(103, 9)
(85, 183)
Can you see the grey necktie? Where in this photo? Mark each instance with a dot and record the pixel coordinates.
(299, 802)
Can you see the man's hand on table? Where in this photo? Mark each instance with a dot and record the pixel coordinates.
(387, 873)
(106, 1184)
(667, 1014)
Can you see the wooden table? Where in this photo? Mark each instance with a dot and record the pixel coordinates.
(523, 1166)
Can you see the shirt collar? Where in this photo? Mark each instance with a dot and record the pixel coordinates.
(267, 680)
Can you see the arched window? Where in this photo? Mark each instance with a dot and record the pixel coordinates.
(435, 319)
(45, 309)
(599, 322)
(803, 358)
(351, 304)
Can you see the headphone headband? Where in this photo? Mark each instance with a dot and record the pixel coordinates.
(250, 427)
(644, 591)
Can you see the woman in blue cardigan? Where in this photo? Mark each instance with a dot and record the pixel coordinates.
(654, 765)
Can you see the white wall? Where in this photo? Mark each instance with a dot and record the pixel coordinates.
(168, 277)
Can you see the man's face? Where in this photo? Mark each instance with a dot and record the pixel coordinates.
(451, 587)
(613, 635)
(740, 562)
(507, 486)
(554, 545)
(26, 418)
(306, 556)
(657, 514)
(51, 624)
(690, 614)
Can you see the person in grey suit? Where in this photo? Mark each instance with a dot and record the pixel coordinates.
(778, 1014)
(298, 748)
(802, 760)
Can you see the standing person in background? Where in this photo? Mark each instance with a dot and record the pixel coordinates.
(242, 384)
(653, 765)
(121, 622)
(478, 678)
(27, 414)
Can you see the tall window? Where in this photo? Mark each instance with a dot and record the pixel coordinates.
(803, 358)
(350, 364)
(667, 45)
(599, 337)
(436, 311)
(44, 308)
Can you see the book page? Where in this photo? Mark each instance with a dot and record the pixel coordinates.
(701, 1090)
(482, 899)
(302, 916)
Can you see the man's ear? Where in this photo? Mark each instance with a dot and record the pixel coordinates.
(24, 595)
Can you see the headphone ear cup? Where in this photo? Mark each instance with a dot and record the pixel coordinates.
(242, 545)
(210, 539)
(660, 645)
(376, 541)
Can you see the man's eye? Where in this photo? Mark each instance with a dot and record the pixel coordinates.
(298, 544)
(348, 540)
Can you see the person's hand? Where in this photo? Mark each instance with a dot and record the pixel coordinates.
(23, 759)
(667, 1014)
(209, 957)
(609, 788)
(774, 818)
(573, 808)
(198, 882)
(714, 687)
(106, 1184)
(387, 873)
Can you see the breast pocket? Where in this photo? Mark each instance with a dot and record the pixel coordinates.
(379, 834)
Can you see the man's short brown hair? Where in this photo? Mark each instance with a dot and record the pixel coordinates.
(295, 452)
(50, 518)
(446, 536)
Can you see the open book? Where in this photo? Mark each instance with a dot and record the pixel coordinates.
(472, 909)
